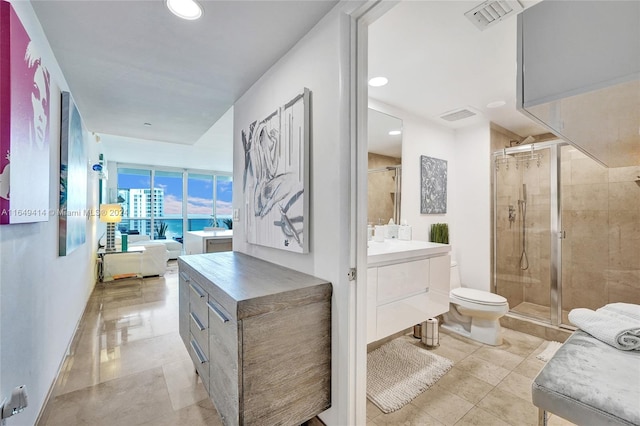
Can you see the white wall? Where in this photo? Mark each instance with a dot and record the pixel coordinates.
(320, 62)
(472, 200)
(213, 151)
(468, 188)
(42, 296)
(423, 137)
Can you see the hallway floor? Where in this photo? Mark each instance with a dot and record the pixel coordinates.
(128, 366)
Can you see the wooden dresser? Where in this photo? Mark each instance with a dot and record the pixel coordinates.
(259, 335)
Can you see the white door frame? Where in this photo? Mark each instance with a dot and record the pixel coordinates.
(361, 19)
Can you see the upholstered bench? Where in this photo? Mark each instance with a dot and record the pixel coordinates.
(589, 382)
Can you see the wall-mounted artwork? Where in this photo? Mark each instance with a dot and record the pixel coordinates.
(433, 185)
(25, 97)
(72, 222)
(276, 175)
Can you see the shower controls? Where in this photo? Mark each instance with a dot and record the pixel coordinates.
(512, 213)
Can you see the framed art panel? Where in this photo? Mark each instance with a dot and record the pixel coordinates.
(72, 222)
(25, 97)
(276, 176)
(433, 185)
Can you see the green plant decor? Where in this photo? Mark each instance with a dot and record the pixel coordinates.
(439, 233)
(227, 222)
(161, 229)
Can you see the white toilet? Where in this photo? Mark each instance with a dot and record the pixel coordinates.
(474, 313)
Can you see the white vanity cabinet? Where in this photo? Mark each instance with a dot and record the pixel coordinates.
(406, 287)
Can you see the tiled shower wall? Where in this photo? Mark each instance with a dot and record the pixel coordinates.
(601, 217)
(516, 284)
(381, 190)
(600, 210)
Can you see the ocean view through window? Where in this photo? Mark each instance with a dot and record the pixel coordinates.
(154, 204)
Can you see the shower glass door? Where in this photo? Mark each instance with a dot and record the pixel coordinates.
(525, 199)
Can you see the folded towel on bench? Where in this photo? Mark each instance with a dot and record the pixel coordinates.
(617, 324)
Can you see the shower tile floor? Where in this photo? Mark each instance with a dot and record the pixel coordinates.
(538, 311)
(128, 366)
(487, 386)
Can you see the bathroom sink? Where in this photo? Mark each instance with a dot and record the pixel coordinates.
(393, 250)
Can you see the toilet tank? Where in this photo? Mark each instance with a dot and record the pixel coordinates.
(455, 275)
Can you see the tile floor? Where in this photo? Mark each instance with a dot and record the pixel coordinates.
(128, 366)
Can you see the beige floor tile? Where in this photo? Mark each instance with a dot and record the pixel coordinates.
(517, 385)
(530, 367)
(499, 357)
(184, 385)
(479, 417)
(463, 384)
(201, 414)
(442, 405)
(482, 369)
(409, 415)
(459, 343)
(114, 402)
(519, 343)
(509, 408)
(372, 410)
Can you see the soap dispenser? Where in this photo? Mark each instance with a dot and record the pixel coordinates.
(404, 231)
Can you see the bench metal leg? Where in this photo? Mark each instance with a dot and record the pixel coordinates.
(542, 417)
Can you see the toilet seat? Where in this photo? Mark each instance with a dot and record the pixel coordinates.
(480, 297)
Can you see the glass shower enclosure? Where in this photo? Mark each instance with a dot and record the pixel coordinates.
(566, 231)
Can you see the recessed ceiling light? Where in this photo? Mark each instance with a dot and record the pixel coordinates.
(185, 9)
(496, 104)
(395, 132)
(378, 81)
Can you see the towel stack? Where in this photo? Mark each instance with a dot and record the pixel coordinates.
(617, 324)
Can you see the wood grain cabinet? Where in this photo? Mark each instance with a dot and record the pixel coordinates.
(259, 336)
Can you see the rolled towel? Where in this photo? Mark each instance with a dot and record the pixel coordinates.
(618, 329)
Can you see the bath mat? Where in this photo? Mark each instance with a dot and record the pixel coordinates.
(549, 351)
(399, 371)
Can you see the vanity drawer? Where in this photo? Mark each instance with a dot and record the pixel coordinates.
(402, 314)
(198, 300)
(402, 280)
(200, 360)
(223, 337)
(199, 330)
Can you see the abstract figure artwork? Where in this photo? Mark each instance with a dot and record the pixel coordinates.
(25, 97)
(276, 172)
(433, 185)
(72, 223)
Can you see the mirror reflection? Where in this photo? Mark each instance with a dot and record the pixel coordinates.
(385, 167)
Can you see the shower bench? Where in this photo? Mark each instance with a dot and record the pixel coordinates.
(589, 382)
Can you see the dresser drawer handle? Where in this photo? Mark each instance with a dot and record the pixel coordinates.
(197, 290)
(185, 277)
(218, 312)
(198, 351)
(197, 321)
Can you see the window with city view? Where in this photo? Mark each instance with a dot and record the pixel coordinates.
(154, 204)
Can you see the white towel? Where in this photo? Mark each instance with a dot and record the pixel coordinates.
(617, 324)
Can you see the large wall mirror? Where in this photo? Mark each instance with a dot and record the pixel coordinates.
(385, 167)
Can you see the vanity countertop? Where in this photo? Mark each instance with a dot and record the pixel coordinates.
(395, 251)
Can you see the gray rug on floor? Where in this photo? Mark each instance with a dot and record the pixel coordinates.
(399, 371)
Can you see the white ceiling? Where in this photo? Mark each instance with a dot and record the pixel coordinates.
(132, 62)
(437, 61)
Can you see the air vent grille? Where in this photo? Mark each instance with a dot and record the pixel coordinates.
(491, 12)
(457, 115)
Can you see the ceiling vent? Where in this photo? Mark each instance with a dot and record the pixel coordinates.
(459, 114)
(491, 12)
